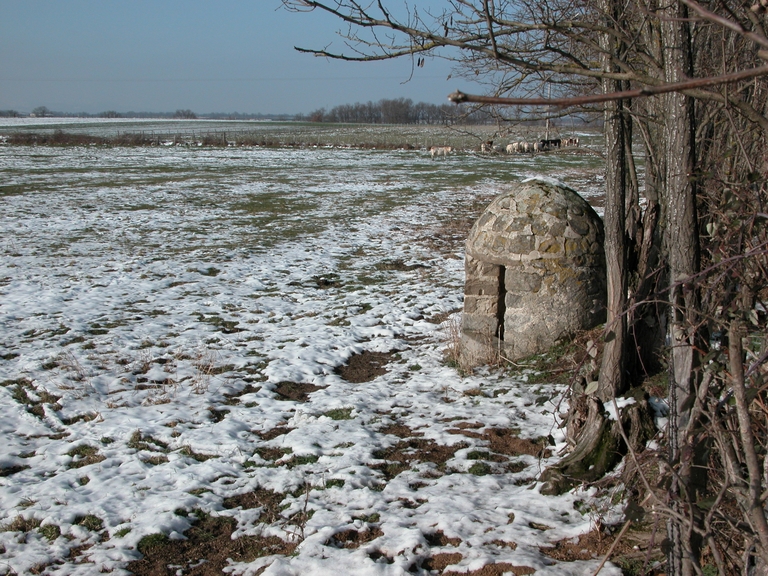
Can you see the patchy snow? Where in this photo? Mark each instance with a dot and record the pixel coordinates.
(612, 406)
(152, 301)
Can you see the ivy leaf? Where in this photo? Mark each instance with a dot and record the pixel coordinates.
(706, 503)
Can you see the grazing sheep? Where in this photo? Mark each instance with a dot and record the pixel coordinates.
(440, 151)
(551, 143)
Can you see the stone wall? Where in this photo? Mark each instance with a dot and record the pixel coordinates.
(535, 273)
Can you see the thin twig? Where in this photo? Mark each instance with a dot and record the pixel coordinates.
(613, 546)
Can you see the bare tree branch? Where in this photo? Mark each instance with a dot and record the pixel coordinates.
(459, 97)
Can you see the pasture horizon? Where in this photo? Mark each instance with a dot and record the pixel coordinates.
(463, 138)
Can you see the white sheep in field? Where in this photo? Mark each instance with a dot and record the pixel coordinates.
(440, 151)
(513, 148)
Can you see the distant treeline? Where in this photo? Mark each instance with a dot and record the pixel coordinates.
(185, 114)
(398, 111)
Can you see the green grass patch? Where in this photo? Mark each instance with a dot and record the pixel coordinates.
(139, 441)
(155, 460)
(302, 460)
(50, 532)
(339, 414)
(11, 470)
(152, 543)
(478, 455)
(90, 522)
(370, 518)
(480, 469)
(187, 451)
(210, 271)
(225, 326)
(84, 455)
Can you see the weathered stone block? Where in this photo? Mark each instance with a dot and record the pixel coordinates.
(482, 286)
(485, 305)
(480, 323)
(550, 246)
(474, 268)
(579, 224)
(522, 282)
(521, 244)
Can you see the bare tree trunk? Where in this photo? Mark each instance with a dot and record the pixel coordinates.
(612, 369)
(752, 499)
(599, 443)
(683, 252)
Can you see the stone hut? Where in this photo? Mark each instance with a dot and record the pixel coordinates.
(535, 273)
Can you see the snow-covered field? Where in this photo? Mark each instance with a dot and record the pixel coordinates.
(173, 323)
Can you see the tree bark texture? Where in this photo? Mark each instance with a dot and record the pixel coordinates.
(683, 258)
(612, 378)
(752, 500)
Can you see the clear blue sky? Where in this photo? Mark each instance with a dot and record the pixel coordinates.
(204, 55)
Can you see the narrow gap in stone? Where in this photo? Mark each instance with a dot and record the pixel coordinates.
(501, 305)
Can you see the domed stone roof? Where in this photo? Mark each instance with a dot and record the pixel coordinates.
(537, 221)
(535, 271)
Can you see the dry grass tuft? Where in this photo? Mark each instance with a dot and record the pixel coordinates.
(463, 362)
(21, 524)
(452, 334)
(204, 362)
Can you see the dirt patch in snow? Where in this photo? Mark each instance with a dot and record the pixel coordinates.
(274, 432)
(234, 397)
(408, 451)
(365, 366)
(504, 440)
(495, 570)
(440, 539)
(261, 498)
(354, 538)
(207, 550)
(441, 560)
(635, 553)
(296, 391)
(399, 430)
